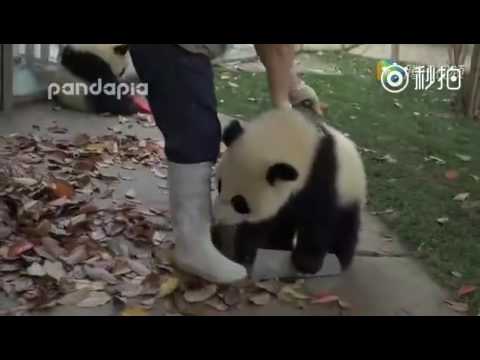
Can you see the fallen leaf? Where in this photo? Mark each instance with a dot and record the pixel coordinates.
(288, 292)
(131, 194)
(75, 297)
(52, 247)
(217, 304)
(344, 305)
(90, 285)
(232, 84)
(94, 299)
(443, 220)
(98, 273)
(388, 158)
(168, 286)
(456, 274)
(232, 296)
(138, 267)
(415, 113)
(61, 188)
(203, 294)
(466, 289)
(452, 175)
(79, 254)
(437, 160)
(476, 178)
(271, 286)
(81, 140)
(457, 306)
(25, 181)
(54, 269)
(114, 228)
(461, 197)
(324, 298)
(261, 299)
(23, 284)
(129, 290)
(397, 104)
(19, 248)
(465, 158)
(57, 130)
(98, 235)
(134, 311)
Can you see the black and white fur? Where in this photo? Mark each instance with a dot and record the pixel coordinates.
(85, 64)
(281, 178)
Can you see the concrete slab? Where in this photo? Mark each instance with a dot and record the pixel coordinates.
(374, 286)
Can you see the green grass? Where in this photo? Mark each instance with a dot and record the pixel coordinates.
(417, 190)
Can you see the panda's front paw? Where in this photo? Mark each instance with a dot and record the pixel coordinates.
(306, 262)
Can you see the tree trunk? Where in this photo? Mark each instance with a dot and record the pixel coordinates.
(472, 88)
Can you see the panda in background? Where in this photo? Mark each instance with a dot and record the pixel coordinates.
(85, 64)
(280, 179)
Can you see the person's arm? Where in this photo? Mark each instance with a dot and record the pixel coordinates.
(278, 59)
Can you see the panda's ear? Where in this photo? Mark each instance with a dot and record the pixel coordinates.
(232, 132)
(281, 172)
(121, 49)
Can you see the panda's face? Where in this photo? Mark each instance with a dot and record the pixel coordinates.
(250, 189)
(251, 192)
(115, 55)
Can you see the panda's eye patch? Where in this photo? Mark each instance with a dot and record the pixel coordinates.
(240, 205)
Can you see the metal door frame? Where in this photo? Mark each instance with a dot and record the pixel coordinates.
(6, 77)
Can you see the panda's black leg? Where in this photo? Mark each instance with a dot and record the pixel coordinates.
(313, 243)
(248, 238)
(346, 235)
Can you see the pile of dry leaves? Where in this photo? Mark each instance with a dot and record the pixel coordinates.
(65, 241)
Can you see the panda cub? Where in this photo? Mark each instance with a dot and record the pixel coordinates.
(87, 64)
(281, 178)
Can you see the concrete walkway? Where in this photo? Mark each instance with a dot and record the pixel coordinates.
(374, 285)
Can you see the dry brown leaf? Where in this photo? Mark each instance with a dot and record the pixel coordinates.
(288, 293)
(98, 273)
(52, 247)
(114, 228)
(168, 285)
(54, 269)
(452, 175)
(90, 285)
(466, 289)
(131, 194)
(443, 220)
(457, 306)
(62, 188)
(23, 284)
(19, 248)
(134, 311)
(232, 296)
(200, 295)
(25, 181)
(78, 255)
(138, 267)
(98, 235)
(94, 299)
(129, 290)
(461, 197)
(217, 304)
(75, 297)
(261, 299)
(271, 286)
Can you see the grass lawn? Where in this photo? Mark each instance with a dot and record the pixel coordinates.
(410, 127)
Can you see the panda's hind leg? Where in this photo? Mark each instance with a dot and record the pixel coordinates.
(346, 235)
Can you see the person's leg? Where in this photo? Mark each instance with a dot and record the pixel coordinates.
(182, 97)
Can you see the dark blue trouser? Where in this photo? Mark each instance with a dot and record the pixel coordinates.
(182, 98)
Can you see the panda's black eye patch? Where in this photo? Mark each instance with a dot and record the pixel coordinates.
(240, 205)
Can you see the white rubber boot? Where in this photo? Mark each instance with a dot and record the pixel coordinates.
(191, 210)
